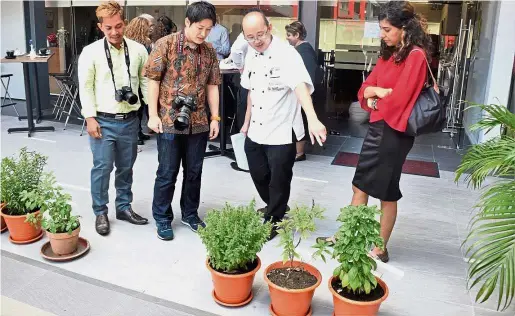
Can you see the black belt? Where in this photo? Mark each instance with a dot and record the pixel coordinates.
(118, 116)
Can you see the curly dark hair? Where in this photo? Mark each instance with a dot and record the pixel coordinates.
(401, 14)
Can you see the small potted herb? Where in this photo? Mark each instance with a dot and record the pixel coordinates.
(355, 289)
(292, 283)
(21, 174)
(233, 236)
(61, 227)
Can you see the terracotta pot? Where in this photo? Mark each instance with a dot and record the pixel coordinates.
(287, 302)
(346, 307)
(18, 229)
(64, 243)
(233, 289)
(3, 225)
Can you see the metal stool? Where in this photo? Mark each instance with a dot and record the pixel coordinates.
(7, 94)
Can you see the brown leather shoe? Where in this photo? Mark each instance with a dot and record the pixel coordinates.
(102, 224)
(130, 216)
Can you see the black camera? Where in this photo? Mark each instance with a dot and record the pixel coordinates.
(185, 105)
(125, 94)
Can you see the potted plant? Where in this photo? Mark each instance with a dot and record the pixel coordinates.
(292, 283)
(55, 217)
(353, 285)
(233, 236)
(21, 174)
(490, 244)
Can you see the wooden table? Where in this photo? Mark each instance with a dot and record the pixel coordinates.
(30, 84)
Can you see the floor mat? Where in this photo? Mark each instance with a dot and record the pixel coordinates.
(416, 167)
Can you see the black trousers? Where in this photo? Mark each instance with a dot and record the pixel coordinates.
(271, 169)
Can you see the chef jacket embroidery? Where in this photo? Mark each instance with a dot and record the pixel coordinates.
(271, 78)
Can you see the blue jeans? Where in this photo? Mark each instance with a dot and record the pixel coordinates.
(172, 149)
(118, 145)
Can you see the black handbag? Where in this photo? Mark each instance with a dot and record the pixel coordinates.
(429, 112)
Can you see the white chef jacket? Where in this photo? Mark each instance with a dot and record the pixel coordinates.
(271, 78)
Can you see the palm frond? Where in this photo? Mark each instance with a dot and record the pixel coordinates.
(492, 255)
(497, 115)
(493, 157)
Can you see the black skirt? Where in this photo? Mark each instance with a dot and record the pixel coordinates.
(380, 163)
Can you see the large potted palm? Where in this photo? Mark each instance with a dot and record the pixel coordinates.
(19, 174)
(490, 244)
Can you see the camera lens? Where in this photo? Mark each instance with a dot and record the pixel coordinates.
(131, 98)
(183, 119)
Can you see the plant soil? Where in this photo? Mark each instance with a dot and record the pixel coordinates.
(250, 266)
(375, 294)
(8, 212)
(292, 278)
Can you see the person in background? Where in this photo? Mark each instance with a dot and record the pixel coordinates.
(106, 69)
(138, 30)
(164, 27)
(278, 85)
(296, 34)
(219, 38)
(151, 23)
(182, 70)
(389, 94)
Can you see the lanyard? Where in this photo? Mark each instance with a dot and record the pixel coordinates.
(110, 61)
(182, 58)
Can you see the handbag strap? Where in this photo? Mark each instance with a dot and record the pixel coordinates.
(435, 85)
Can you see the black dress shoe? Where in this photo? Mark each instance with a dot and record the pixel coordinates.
(130, 216)
(102, 224)
(141, 142)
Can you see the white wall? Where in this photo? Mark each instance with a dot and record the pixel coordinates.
(13, 36)
(501, 64)
(491, 69)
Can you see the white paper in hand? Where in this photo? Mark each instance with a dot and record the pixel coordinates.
(238, 145)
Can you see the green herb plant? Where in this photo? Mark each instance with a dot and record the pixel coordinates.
(357, 234)
(298, 225)
(55, 209)
(233, 236)
(22, 173)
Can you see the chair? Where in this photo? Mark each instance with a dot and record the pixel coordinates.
(8, 95)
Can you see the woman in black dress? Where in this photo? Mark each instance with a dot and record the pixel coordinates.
(389, 94)
(296, 34)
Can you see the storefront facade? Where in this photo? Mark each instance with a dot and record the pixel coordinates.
(347, 28)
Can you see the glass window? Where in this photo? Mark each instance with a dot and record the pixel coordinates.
(230, 14)
(280, 13)
(58, 29)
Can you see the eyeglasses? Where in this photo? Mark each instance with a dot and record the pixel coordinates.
(257, 38)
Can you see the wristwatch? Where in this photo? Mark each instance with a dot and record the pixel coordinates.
(215, 118)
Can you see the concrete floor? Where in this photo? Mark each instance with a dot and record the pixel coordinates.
(132, 272)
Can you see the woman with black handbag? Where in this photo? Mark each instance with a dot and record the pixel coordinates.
(389, 93)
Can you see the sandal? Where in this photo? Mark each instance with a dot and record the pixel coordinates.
(384, 257)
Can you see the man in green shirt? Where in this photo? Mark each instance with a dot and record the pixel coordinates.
(109, 72)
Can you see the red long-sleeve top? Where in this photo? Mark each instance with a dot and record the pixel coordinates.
(406, 79)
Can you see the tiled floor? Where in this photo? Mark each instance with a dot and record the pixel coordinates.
(425, 244)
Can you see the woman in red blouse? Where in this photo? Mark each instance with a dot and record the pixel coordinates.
(389, 94)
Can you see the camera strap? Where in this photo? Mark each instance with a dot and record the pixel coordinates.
(110, 61)
(182, 56)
